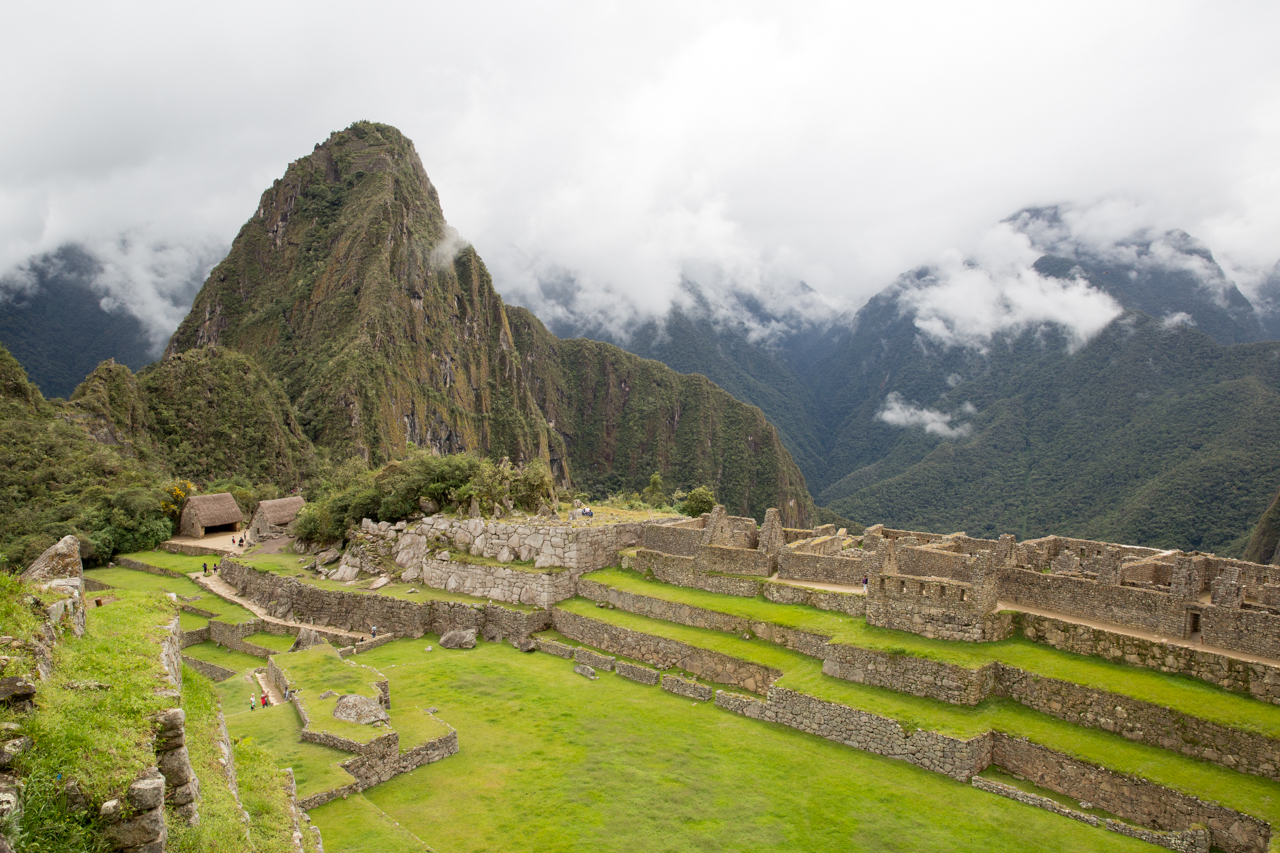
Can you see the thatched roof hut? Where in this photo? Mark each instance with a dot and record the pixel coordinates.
(205, 514)
(274, 516)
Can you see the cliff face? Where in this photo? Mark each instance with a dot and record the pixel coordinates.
(348, 287)
(623, 417)
(385, 331)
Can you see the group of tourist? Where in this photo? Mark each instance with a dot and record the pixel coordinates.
(253, 700)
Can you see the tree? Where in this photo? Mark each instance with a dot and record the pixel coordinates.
(653, 494)
(700, 500)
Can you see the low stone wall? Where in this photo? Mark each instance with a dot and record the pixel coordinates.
(499, 583)
(554, 647)
(190, 550)
(665, 653)
(1129, 797)
(1250, 631)
(1262, 681)
(689, 689)
(669, 539)
(1144, 722)
(196, 636)
(1187, 841)
(385, 762)
(1032, 800)
(733, 561)
(353, 611)
(851, 603)
(232, 637)
(92, 585)
(959, 759)
(636, 672)
(679, 571)
(847, 571)
(208, 670)
(367, 645)
(127, 563)
(594, 659)
(934, 563)
(582, 549)
(1147, 610)
(908, 674)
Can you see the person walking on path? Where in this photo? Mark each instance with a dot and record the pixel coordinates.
(265, 701)
(253, 702)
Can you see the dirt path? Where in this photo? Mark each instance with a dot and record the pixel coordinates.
(222, 589)
(265, 685)
(832, 587)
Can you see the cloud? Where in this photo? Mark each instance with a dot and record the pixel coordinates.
(1180, 318)
(631, 148)
(964, 300)
(898, 412)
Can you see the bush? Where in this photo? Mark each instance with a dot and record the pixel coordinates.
(700, 500)
(654, 495)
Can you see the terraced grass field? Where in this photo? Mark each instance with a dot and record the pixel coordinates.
(549, 761)
(123, 578)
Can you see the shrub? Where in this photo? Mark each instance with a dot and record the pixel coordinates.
(654, 495)
(700, 500)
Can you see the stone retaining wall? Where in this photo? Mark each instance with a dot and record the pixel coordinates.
(664, 653)
(636, 672)
(208, 670)
(733, 561)
(198, 635)
(190, 550)
(353, 611)
(127, 563)
(679, 571)
(499, 583)
(366, 645)
(689, 689)
(232, 637)
(92, 585)
(594, 659)
(678, 541)
(959, 759)
(908, 674)
(854, 604)
(1033, 800)
(554, 647)
(1129, 797)
(1262, 681)
(384, 763)
(581, 549)
(1250, 631)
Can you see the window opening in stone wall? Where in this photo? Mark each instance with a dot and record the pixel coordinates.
(921, 590)
(1195, 623)
(962, 595)
(904, 587)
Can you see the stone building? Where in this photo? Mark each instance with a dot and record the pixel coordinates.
(272, 517)
(205, 515)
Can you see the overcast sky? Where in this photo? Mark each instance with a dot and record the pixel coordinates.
(626, 144)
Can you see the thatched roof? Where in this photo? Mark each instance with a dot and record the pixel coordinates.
(213, 510)
(281, 511)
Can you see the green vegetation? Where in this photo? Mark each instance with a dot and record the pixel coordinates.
(224, 657)
(1265, 540)
(121, 649)
(700, 500)
(1251, 794)
(275, 729)
(275, 642)
(181, 563)
(1189, 695)
(134, 579)
(551, 761)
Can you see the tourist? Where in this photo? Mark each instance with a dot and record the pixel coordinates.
(864, 586)
(265, 701)
(253, 702)
(373, 629)
(206, 568)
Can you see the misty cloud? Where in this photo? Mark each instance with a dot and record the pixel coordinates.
(898, 412)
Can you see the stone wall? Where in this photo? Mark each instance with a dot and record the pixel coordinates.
(1039, 802)
(554, 647)
(190, 550)
(1251, 631)
(945, 610)
(1129, 797)
(499, 583)
(680, 540)
(195, 636)
(908, 674)
(125, 562)
(854, 604)
(733, 561)
(686, 688)
(381, 761)
(594, 659)
(665, 653)
(1147, 610)
(232, 637)
(845, 570)
(209, 670)
(636, 672)
(354, 611)
(959, 759)
(934, 563)
(679, 571)
(1262, 681)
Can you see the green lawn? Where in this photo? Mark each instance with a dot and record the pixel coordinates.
(122, 578)
(275, 642)
(549, 761)
(1251, 794)
(315, 767)
(415, 726)
(190, 621)
(1189, 695)
(176, 562)
(320, 669)
(222, 656)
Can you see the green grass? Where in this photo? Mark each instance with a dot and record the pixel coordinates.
(315, 767)
(1189, 695)
(1251, 794)
(415, 726)
(191, 621)
(319, 669)
(355, 825)
(550, 761)
(222, 656)
(221, 828)
(275, 642)
(135, 579)
(175, 562)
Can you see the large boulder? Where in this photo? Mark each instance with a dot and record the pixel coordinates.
(460, 639)
(61, 560)
(355, 708)
(307, 637)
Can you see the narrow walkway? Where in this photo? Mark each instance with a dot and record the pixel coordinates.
(264, 683)
(222, 589)
(831, 587)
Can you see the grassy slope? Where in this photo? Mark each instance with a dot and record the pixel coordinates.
(1188, 695)
(276, 729)
(122, 578)
(550, 761)
(1250, 794)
